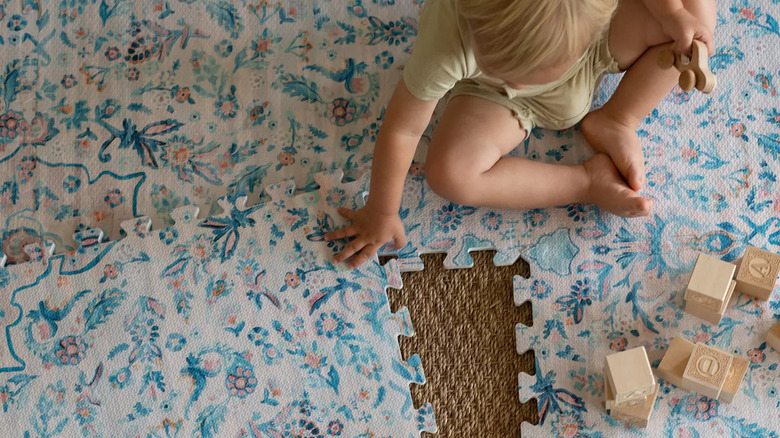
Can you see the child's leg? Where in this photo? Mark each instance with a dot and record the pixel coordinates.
(633, 41)
(466, 164)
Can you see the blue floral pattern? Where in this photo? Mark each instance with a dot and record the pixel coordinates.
(310, 351)
(114, 109)
(177, 103)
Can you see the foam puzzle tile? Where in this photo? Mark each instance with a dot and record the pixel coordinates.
(234, 96)
(116, 109)
(236, 324)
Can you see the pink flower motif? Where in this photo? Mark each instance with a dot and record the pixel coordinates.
(312, 360)
(689, 152)
(358, 85)
(71, 351)
(747, 13)
(10, 124)
(702, 337)
(341, 112)
(756, 355)
(241, 382)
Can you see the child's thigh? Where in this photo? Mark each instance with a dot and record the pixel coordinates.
(472, 134)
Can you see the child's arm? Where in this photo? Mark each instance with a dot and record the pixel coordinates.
(378, 222)
(680, 24)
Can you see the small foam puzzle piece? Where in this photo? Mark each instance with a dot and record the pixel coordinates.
(736, 374)
(638, 415)
(242, 312)
(629, 375)
(757, 273)
(709, 284)
(773, 337)
(672, 366)
(694, 72)
(707, 370)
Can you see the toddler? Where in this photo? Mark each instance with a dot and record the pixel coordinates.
(512, 65)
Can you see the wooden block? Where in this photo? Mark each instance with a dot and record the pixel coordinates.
(638, 416)
(757, 273)
(709, 283)
(737, 371)
(773, 337)
(708, 315)
(629, 374)
(694, 72)
(609, 398)
(707, 370)
(675, 360)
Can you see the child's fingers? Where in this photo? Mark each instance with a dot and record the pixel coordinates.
(349, 250)
(347, 213)
(342, 233)
(364, 255)
(683, 45)
(706, 37)
(400, 241)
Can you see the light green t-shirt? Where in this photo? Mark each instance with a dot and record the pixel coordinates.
(443, 55)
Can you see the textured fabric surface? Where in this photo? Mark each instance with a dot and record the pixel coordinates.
(113, 109)
(194, 331)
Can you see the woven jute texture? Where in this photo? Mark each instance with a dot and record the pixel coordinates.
(464, 323)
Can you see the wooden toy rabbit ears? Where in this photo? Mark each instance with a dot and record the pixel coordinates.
(694, 72)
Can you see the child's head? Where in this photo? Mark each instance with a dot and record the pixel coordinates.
(533, 41)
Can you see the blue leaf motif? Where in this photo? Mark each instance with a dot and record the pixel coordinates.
(98, 311)
(210, 420)
(333, 379)
(226, 16)
(299, 86)
(770, 143)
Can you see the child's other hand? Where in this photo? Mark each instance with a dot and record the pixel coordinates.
(683, 27)
(372, 230)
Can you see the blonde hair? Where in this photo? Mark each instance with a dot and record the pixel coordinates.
(514, 37)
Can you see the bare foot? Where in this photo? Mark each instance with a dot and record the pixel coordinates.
(609, 191)
(619, 141)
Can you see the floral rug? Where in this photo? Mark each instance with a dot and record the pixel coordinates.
(196, 330)
(112, 109)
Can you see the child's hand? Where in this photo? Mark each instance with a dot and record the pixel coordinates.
(373, 229)
(683, 27)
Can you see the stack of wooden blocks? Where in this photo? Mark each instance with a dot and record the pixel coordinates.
(713, 282)
(630, 388)
(704, 369)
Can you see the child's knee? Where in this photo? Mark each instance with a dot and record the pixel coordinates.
(449, 182)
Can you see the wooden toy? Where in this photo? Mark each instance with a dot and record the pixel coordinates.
(637, 416)
(609, 398)
(707, 370)
(734, 379)
(629, 375)
(675, 361)
(757, 273)
(773, 337)
(709, 283)
(713, 317)
(694, 72)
